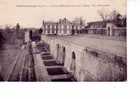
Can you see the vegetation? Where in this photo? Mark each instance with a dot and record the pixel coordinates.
(1, 38)
(115, 17)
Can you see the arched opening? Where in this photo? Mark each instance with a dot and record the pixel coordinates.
(73, 55)
(63, 55)
(108, 31)
(58, 50)
(73, 64)
(30, 35)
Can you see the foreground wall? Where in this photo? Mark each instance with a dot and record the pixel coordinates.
(103, 67)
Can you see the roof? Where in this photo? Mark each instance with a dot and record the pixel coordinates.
(101, 23)
(64, 21)
(50, 22)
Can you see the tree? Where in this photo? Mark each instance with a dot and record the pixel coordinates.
(124, 21)
(1, 39)
(114, 17)
(19, 33)
(118, 19)
(17, 27)
(40, 31)
(103, 15)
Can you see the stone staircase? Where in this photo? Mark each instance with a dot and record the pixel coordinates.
(56, 72)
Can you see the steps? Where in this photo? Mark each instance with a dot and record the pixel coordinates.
(44, 57)
(50, 62)
(56, 72)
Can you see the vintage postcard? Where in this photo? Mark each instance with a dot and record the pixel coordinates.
(63, 40)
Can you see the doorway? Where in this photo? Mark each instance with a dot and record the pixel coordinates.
(73, 64)
(63, 55)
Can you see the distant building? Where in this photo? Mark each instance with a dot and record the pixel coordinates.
(97, 27)
(77, 25)
(62, 27)
(97, 24)
(105, 28)
(50, 27)
(66, 27)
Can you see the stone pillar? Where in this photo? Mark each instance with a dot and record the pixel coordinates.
(110, 27)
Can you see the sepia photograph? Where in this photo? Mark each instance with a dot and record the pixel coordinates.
(63, 41)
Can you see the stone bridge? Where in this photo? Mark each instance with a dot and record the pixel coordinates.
(89, 58)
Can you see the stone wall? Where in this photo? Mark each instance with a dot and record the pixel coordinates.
(89, 66)
(120, 31)
(100, 67)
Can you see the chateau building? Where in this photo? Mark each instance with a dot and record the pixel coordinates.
(50, 27)
(62, 27)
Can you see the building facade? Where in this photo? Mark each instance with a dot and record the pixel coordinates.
(62, 27)
(49, 27)
(97, 27)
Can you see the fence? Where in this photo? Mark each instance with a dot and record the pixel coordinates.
(101, 31)
(119, 31)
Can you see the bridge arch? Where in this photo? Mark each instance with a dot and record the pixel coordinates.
(73, 63)
(57, 52)
(63, 55)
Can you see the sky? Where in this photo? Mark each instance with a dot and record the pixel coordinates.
(12, 12)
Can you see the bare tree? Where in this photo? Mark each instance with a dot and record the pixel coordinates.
(103, 15)
(118, 19)
(79, 20)
(17, 28)
(124, 21)
(1, 38)
(114, 17)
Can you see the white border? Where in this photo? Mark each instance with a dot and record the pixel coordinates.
(94, 90)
